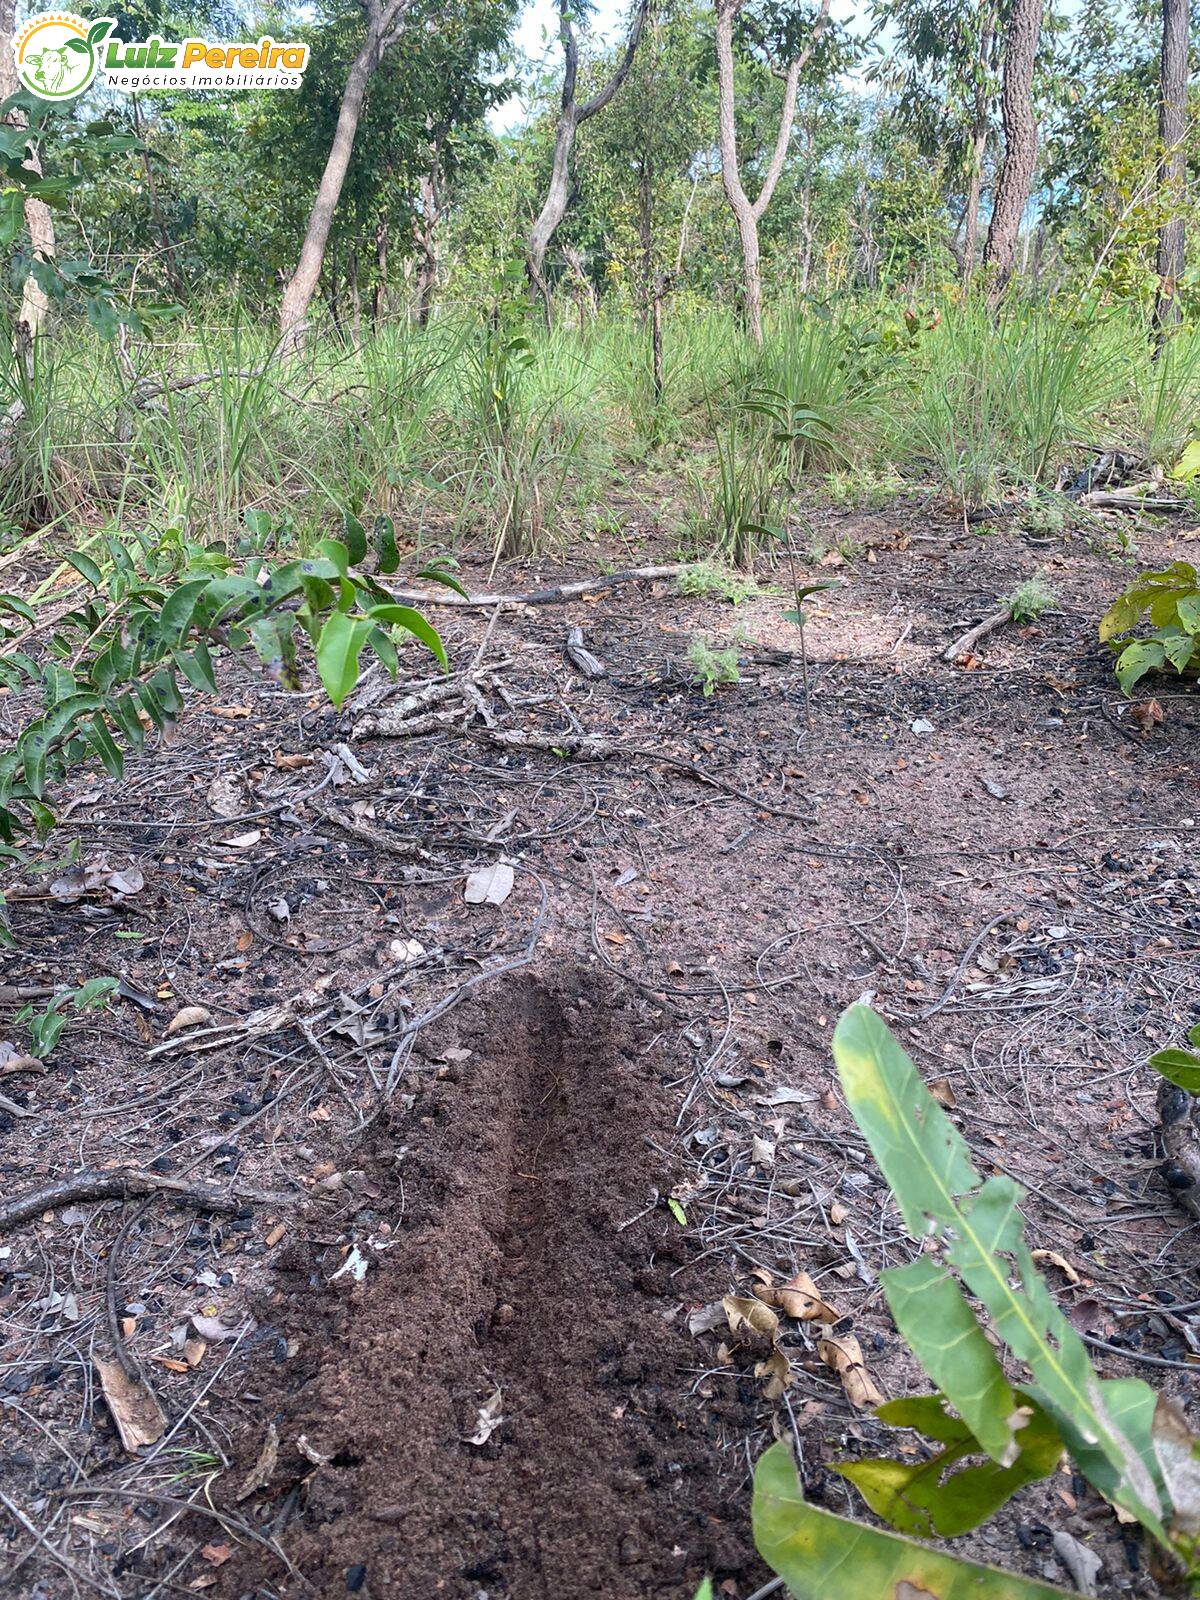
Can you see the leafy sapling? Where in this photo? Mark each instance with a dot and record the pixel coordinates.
(45, 1027)
(1030, 601)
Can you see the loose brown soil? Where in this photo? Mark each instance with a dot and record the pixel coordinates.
(1000, 855)
(514, 1265)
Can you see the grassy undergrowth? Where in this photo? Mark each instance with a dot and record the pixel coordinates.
(510, 440)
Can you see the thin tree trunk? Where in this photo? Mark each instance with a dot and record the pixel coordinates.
(34, 304)
(656, 339)
(381, 260)
(1020, 141)
(427, 266)
(571, 118)
(384, 26)
(746, 213)
(979, 138)
(1172, 171)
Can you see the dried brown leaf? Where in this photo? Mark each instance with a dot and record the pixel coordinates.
(135, 1411)
(845, 1356)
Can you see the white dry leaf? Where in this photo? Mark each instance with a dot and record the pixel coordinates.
(707, 1319)
(785, 1096)
(243, 841)
(489, 885)
(1083, 1564)
(227, 795)
(488, 1419)
(356, 1264)
(214, 1330)
(188, 1017)
(129, 880)
(762, 1152)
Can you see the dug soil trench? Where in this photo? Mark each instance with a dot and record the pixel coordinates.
(497, 1406)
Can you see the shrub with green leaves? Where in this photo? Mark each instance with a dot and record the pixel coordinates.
(110, 669)
(711, 668)
(1170, 601)
(990, 1435)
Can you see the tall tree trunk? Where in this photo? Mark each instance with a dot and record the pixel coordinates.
(571, 118)
(34, 304)
(385, 23)
(1020, 141)
(426, 238)
(1172, 171)
(979, 138)
(746, 213)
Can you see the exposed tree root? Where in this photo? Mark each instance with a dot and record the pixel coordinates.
(124, 1183)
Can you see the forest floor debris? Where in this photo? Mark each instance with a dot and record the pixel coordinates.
(516, 1153)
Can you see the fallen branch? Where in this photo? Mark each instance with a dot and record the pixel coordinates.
(124, 1183)
(967, 642)
(540, 597)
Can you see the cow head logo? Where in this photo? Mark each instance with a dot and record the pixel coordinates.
(58, 54)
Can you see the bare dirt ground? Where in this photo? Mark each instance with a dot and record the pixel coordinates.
(439, 1339)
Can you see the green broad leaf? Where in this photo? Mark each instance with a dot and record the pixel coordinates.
(124, 712)
(380, 642)
(337, 554)
(941, 1496)
(338, 649)
(1136, 660)
(14, 603)
(944, 1335)
(12, 216)
(1188, 465)
(405, 617)
(383, 536)
(926, 1162)
(355, 537)
(440, 572)
(197, 666)
(105, 746)
(96, 992)
(1188, 612)
(1179, 1067)
(85, 567)
(1178, 646)
(1121, 615)
(175, 618)
(821, 1556)
(705, 1591)
(258, 522)
(677, 1211)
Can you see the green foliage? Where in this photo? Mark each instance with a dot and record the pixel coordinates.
(711, 578)
(1030, 600)
(1181, 1067)
(826, 1557)
(992, 1439)
(46, 1026)
(112, 664)
(1170, 601)
(711, 668)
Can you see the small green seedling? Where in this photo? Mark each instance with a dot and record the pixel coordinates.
(46, 1026)
(1030, 601)
(799, 616)
(710, 667)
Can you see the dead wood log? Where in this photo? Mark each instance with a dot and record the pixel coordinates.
(963, 645)
(540, 597)
(124, 1183)
(581, 658)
